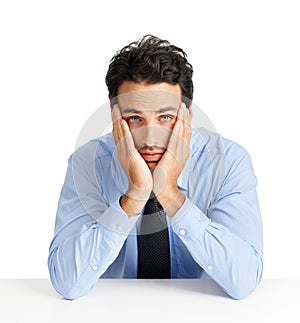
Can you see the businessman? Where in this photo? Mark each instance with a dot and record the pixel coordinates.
(156, 198)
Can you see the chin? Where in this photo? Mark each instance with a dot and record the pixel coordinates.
(151, 165)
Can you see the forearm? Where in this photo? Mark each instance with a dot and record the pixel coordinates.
(132, 206)
(83, 250)
(232, 262)
(77, 263)
(171, 200)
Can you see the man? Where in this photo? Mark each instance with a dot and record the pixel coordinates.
(156, 198)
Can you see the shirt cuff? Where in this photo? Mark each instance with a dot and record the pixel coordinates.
(189, 221)
(116, 220)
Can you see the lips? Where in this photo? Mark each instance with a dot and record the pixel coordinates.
(151, 156)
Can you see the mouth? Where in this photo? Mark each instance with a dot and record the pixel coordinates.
(151, 156)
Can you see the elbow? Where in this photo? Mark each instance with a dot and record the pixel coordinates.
(239, 293)
(69, 295)
(64, 282)
(60, 285)
(240, 290)
(63, 289)
(244, 286)
(67, 289)
(66, 294)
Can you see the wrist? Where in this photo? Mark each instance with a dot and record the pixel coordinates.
(131, 205)
(171, 200)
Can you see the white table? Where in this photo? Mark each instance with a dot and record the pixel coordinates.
(149, 301)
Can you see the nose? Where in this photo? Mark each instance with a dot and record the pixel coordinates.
(151, 135)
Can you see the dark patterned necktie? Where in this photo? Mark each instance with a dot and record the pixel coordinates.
(153, 242)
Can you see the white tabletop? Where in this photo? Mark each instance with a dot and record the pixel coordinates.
(127, 300)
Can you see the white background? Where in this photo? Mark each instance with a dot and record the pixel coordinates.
(54, 57)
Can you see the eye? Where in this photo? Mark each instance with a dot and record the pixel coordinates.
(133, 119)
(166, 118)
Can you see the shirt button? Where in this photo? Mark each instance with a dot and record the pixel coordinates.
(210, 267)
(182, 232)
(94, 267)
(119, 228)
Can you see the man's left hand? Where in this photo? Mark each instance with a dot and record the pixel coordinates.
(170, 166)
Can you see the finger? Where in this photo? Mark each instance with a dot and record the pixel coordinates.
(124, 127)
(120, 125)
(180, 139)
(178, 123)
(116, 113)
(174, 137)
(186, 122)
(177, 131)
(183, 117)
(187, 115)
(116, 118)
(184, 114)
(126, 138)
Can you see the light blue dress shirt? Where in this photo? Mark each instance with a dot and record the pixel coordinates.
(216, 234)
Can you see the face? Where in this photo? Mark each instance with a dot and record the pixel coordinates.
(150, 112)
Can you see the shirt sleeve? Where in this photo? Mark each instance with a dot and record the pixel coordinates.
(89, 235)
(227, 241)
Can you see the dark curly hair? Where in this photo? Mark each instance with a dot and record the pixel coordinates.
(150, 60)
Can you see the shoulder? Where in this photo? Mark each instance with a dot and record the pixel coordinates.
(224, 157)
(103, 146)
(214, 143)
(229, 161)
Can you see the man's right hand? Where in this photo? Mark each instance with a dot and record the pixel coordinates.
(136, 169)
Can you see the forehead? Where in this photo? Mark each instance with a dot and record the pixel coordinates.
(148, 97)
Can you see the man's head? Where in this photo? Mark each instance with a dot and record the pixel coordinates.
(149, 79)
(150, 60)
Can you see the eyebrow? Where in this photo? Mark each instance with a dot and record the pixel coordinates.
(131, 110)
(167, 109)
